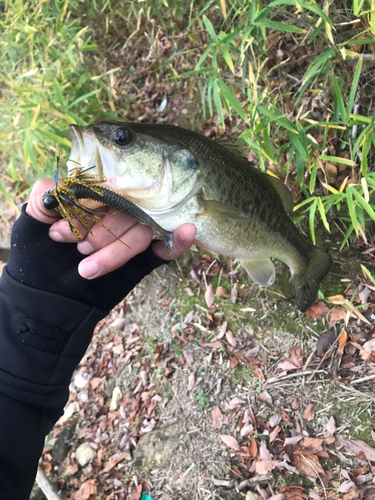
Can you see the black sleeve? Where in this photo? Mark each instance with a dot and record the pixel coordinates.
(47, 316)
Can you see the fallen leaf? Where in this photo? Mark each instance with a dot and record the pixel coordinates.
(286, 365)
(235, 403)
(357, 446)
(116, 396)
(317, 310)
(310, 442)
(274, 420)
(264, 466)
(221, 293)
(367, 349)
(309, 413)
(217, 418)
(331, 426)
(345, 486)
(247, 429)
(274, 433)
(253, 446)
(295, 403)
(233, 295)
(293, 439)
(264, 453)
(353, 494)
(112, 462)
(230, 338)
(189, 358)
(230, 441)
(223, 329)
(325, 340)
(209, 295)
(337, 314)
(295, 356)
(307, 464)
(191, 381)
(293, 492)
(87, 488)
(265, 398)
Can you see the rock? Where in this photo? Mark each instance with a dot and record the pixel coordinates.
(84, 453)
(159, 447)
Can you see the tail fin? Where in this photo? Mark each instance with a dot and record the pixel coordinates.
(306, 282)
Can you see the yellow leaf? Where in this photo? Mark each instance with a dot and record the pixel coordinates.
(330, 188)
(223, 8)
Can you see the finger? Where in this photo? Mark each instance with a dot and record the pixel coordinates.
(116, 254)
(115, 227)
(61, 231)
(35, 207)
(183, 238)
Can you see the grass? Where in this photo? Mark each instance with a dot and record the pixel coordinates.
(59, 66)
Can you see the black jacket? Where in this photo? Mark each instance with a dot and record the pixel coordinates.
(47, 316)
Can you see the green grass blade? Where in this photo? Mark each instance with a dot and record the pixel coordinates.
(232, 99)
(218, 103)
(312, 219)
(353, 90)
(351, 207)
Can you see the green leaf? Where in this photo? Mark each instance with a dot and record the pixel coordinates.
(263, 21)
(231, 98)
(347, 236)
(313, 176)
(363, 203)
(312, 219)
(351, 207)
(296, 140)
(339, 100)
(337, 159)
(218, 103)
(318, 63)
(322, 214)
(53, 137)
(275, 115)
(227, 58)
(210, 29)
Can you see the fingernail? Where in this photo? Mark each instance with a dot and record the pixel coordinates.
(88, 269)
(56, 236)
(85, 248)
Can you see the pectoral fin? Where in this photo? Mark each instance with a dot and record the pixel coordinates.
(260, 271)
(218, 209)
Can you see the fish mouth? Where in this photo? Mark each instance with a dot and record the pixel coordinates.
(84, 151)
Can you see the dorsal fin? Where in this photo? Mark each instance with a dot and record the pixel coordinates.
(284, 194)
(230, 146)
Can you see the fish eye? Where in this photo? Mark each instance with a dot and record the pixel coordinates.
(122, 137)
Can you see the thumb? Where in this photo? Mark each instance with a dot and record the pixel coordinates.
(183, 238)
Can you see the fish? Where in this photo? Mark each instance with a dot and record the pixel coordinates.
(177, 175)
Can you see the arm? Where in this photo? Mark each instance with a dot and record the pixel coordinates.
(48, 312)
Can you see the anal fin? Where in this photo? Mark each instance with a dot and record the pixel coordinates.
(262, 271)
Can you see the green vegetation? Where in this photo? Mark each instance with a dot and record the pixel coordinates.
(289, 78)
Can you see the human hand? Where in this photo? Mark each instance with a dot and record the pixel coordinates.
(106, 253)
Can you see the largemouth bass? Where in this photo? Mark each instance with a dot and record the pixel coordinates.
(177, 176)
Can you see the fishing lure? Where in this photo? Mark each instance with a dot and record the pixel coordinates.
(65, 199)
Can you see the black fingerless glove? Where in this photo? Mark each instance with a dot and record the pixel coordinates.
(47, 315)
(38, 261)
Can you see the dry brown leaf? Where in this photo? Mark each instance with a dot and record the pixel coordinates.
(357, 446)
(295, 356)
(247, 429)
(264, 453)
(221, 293)
(309, 413)
(217, 418)
(253, 446)
(295, 403)
(293, 492)
(209, 295)
(264, 466)
(230, 441)
(331, 426)
(307, 464)
(233, 295)
(317, 310)
(191, 381)
(325, 340)
(189, 358)
(287, 365)
(345, 486)
(337, 314)
(367, 349)
(265, 398)
(353, 494)
(230, 338)
(113, 461)
(274, 433)
(235, 403)
(343, 338)
(87, 488)
(310, 442)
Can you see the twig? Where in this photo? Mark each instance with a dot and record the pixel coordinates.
(46, 486)
(360, 380)
(292, 375)
(185, 474)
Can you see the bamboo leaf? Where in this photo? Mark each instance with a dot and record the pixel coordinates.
(232, 99)
(353, 90)
(210, 29)
(351, 207)
(322, 214)
(218, 103)
(312, 219)
(337, 159)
